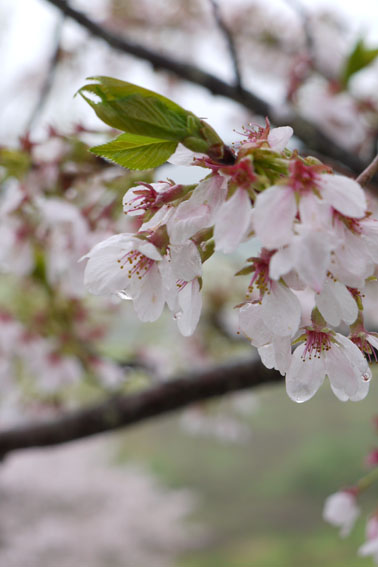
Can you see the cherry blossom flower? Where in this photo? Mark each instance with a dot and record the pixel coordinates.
(277, 207)
(127, 265)
(370, 547)
(181, 270)
(326, 353)
(354, 257)
(274, 139)
(150, 278)
(341, 510)
(275, 312)
(143, 197)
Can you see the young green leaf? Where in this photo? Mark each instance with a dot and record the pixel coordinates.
(359, 58)
(160, 123)
(139, 111)
(136, 152)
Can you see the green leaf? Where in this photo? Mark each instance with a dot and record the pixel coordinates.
(160, 123)
(136, 152)
(15, 162)
(139, 111)
(359, 58)
(115, 89)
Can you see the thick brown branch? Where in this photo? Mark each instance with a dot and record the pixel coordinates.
(368, 173)
(309, 133)
(121, 411)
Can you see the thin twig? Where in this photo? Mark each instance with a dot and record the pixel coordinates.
(122, 411)
(230, 42)
(368, 173)
(50, 75)
(309, 133)
(302, 13)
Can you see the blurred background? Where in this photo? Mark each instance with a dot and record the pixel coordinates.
(238, 482)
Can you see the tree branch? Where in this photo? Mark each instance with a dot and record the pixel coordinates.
(230, 42)
(309, 133)
(50, 75)
(121, 411)
(369, 172)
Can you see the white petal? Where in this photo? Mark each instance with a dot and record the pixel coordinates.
(184, 156)
(281, 263)
(351, 262)
(150, 301)
(312, 258)
(373, 340)
(198, 211)
(281, 310)
(274, 215)
(353, 353)
(314, 211)
(344, 194)
(232, 222)
(370, 237)
(362, 391)
(161, 216)
(190, 302)
(304, 378)
(185, 261)
(345, 366)
(278, 138)
(267, 355)
(336, 303)
(340, 394)
(252, 325)
(103, 273)
(147, 249)
(276, 354)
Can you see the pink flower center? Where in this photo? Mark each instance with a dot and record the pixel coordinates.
(303, 178)
(351, 224)
(256, 134)
(137, 263)
(144, 198)
(317, 342)
(242, 173)
(365, 347)
(260, 278)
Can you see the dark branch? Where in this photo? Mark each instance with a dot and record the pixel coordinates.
(368, 173)
(121, 411)
(310, 134)
(50, 75)
(230, 42)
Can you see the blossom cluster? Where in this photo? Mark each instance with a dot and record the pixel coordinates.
(57, 201)
(318, 252)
